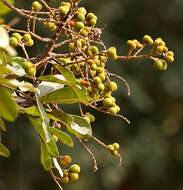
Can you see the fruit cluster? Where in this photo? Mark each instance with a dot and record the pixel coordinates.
(113, 148)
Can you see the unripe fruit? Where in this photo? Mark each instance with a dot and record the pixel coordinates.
(27, 37)
(160, 65)
(36, 6)
(83, 32)
(93, 66)
(114, 153)
(157, 42)
(89, 52)
(97, 80)
(111, 53)
(13, 41)
(103, 58)
(92, 22)
(148, 40)
(160, 48)
(17, 36)
(80, 17)
(73, 176)
(108, 102)
(113, 110)
(71, 47)
(110, 148)
(101, 86)
(31, 71)
(112, 86)
(74, 168)
(131, 44)
(91, 16)
(169, 59)
(65, 4)
(64, 10)
(100, 70)
(64, 179)
(82, 10)
(75, 67)
(51, 26)
(117, 107)
(94, 49)
(79, 25)
(170, 53)
(30, 43)
(116, 146)
(27, 65)
(102, 76)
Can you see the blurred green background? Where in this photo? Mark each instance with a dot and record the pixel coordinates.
(152, 146)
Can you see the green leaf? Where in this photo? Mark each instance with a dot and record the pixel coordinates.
(62, 96)
(44, 120)
(4, 151)
(8, 106)
(18, 60)
(51, 145)
(63, 137)
(45, 157)
(2, 125)
(80, 127)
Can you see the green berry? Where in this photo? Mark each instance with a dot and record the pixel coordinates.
(82, 10)
(103, 58)
(110, 148)
(74, 168)
(65, 4)
(116, 146)
(93, 66)
(71, 47)
(27, 65)
(64, 10)
(73, 176)
(148, 40)
(80, 17)
(27, 37)
(83, 32)
(36, 6)
(108, 102)
(114, 153)
(101, 86)
(79, 25)
(52, 26)
(13, 41)
(92, 22)
(160, 64)
(64, 179)
(131, 44)
(160, 48)
(17, 36)
(97, 80)
(111, 53)
(94, 49)
(169, 59)
(113, 110)
(117, 107)
(157, 42)
(112, 86)
(30, 43)
(100, 70)
(102, 76)
(91, 16)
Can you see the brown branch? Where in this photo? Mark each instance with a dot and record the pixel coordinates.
(55, 179)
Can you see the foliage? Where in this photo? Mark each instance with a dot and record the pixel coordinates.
(78, 76)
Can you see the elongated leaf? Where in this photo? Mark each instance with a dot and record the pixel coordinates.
(45, 121)
(62, 96)
(4, 151)
(45, 157)
(2, 125)
(18, 60)
(57, 166)
(51, 145)
(63, 137)
(80, 127)
(8, 107)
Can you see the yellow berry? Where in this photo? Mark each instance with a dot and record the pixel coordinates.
(113, 110)
(112, 86)
(36, 6)
(111, 53)
(73, 176)
(116, 146)
(110, 148)
(131, 44)
(13, 41)
(169, 59)
(74, 168)
(27, 37)
(148, 40)
(30, 43)
(17, 36)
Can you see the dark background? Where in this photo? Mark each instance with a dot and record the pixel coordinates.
(152, 146)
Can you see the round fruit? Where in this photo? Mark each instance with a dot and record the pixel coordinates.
(65, 160)
(101, 86)
(94, 49)
(71, 47)
(111, 53)
(169, 59)
(91, 16)
(30, 43)
(110, 148)
(79, 25)
(113, 110)
(64, 179)
(92, 22)
(36, 6)
(13, 41)
(17, 36)
(116, 146)
(27, 37)
(64, 10)
(82, 10)
(80, 17)
(27, 65)
(108, 102)
(97, 80)
(73, 176)
(102, 76)
(74, 168)
(114, 153)
(148, 40)
(131, 44)
(112, 86)
(93, 67)
(100, 70)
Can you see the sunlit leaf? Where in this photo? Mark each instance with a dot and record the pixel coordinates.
(4, 38)
(63, 137)
(45, 157)
(4, 151)
(8, 107)
(80, 127)
(2, 124)
(51, 145)
(57, 166)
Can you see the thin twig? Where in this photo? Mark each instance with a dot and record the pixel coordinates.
(55, 179)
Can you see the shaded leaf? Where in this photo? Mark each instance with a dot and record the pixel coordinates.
(8, 107)
(4, 151)
(63, 137)
(45, 157)
(44, 120)
(2, 125)
(51, 145)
